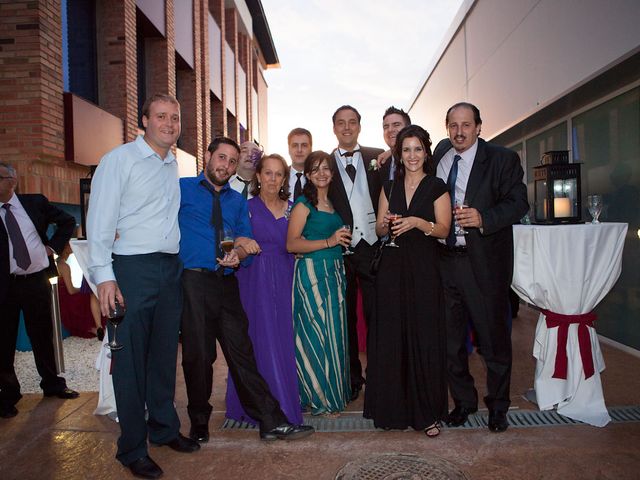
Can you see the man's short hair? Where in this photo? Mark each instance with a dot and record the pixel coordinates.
(470, 106)
(300, 131)
(345, 107)
(158, 97)
(213, 146)
(391, 110)
(12, 171)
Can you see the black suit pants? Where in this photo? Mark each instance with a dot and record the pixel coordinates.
(465, 302)
(357, 272)
(213, 311)
(30, 294)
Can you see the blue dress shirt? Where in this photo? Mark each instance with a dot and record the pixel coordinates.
(198, 238)
(134, 194)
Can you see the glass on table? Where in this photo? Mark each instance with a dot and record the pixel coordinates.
(595, 207)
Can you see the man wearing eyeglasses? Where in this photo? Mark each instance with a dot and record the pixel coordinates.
(26, 264)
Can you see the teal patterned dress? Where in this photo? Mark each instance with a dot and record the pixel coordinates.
(320, 319)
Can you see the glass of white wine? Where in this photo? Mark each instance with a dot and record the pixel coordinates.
(595, 207)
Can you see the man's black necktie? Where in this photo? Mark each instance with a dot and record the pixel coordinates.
(451, 183)
(245, 190)
(216, 221)
(351, 170)
(297, 189)
(20, 251)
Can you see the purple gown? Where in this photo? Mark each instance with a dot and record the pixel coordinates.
(265, 291)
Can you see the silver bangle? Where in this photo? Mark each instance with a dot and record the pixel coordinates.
(433, 226)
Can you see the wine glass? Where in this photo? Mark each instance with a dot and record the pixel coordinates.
(393, 217)
(116, 315)
(226, 240)
(459, 229)
(347, 250)
(595, 207)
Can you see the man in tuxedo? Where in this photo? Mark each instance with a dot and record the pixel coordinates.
(300, 143)
(393, 121)
(25, 264)
(476, 268)
(354, 192)
(250, 153)
(133, 237)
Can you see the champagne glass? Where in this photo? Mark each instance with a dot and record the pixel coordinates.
(226, 240)
(595, 207)
(116, 315)
(459, 229)
(393, 217)
(347, 250)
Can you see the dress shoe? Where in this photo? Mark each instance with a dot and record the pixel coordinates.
(66, 394)
(355, 393)
(144, 467)
(498, 421)
(459, 415)
(183, 444)
(8, 412)
(287, 431)
(199, 433)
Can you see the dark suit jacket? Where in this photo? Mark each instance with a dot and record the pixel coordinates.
(338, 194)
(42, 214)
(496, 190)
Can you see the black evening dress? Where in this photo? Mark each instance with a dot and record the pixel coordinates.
(406, 371)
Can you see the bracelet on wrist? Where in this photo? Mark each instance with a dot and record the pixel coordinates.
(433, 226)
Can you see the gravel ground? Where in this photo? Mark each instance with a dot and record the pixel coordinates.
(79, 360)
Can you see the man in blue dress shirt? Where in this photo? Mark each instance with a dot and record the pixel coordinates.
(133, 236)
(212, 308)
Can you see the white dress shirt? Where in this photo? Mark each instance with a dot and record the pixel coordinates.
(238, 185)
(37, 250)
(135, 194)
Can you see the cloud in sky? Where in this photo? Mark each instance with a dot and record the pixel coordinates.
(367, 53)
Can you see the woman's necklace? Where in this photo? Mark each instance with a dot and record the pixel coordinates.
(416, 184)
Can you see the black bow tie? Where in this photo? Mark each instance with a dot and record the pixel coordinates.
(350, 154)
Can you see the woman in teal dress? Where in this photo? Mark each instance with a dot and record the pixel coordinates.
(316, 233)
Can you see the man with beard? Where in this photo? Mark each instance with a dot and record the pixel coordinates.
(476, 268)
(250, 153)
(212, 309)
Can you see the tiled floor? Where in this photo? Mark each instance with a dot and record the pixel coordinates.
(55, 439)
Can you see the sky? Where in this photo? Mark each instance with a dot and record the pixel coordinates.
(366, 53)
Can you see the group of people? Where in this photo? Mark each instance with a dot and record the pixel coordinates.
(268, 261)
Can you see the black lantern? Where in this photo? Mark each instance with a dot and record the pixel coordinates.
(557, 190)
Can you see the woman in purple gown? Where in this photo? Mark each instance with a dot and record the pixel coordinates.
(265, 291)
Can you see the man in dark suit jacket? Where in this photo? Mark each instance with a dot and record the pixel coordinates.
(476, 268)
(354, 192)
(25, 261)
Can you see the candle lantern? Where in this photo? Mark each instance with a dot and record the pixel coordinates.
(557, 189)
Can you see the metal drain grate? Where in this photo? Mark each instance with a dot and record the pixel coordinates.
(400, 467)
(354, 422)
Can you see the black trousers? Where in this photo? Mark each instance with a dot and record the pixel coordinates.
(213, 311)
(30, 294)
(464, 302)
(144, 371)
(357, 268)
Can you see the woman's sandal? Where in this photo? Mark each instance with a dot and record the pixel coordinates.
(433, 431)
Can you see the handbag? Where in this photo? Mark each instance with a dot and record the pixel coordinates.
(377, 255)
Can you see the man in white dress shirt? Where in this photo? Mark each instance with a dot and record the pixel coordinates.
(250, 153)
(133, 235)
(300, 143)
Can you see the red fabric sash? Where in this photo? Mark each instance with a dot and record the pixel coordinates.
(584, 340)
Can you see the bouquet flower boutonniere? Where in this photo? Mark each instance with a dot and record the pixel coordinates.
(373, 165)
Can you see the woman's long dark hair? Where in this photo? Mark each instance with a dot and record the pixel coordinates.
(254, 188)
(422, 135)
(314, 160)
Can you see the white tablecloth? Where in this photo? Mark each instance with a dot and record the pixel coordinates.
(106, 397)
(568, 269)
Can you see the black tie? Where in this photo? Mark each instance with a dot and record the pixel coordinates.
(451, 183)
(245, 190)
(351, 170)
(216, 221)
(350, 154)
(20, 251)
(297, 189)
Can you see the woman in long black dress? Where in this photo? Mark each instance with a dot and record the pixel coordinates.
(406, 372)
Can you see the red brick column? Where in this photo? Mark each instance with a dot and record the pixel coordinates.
(218, 110)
